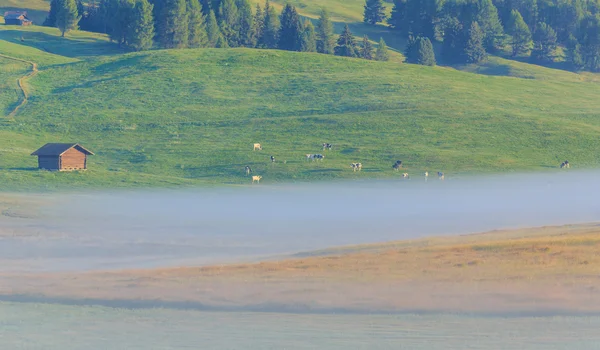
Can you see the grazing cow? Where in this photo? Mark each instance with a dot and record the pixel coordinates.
(356, 166)
(273, 159)
(426, 174)
(256, 179)
(318, 156)
(565, 164)
(257, 146)
(397, 165)
(310, 157)
(327, 146)
(405, 175)
(248, 170)
(440, 175)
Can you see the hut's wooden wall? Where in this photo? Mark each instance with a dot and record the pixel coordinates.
(73, 160)
(48, 162)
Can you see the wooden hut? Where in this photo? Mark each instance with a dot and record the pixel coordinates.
(62, 156)
(17, 18)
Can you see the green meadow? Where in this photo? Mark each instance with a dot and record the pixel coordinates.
(190, 117)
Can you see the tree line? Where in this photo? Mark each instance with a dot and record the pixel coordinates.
(470, 29)
(143, 24)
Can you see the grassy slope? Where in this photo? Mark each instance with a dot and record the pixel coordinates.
(191, 116)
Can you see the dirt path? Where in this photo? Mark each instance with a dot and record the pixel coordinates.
(21, 83)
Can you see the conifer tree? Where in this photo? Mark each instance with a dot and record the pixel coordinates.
(374, 11)
(382, 51)
(50, 20)
(290, 30)
(490, 24)
(521, 36)
(325, 38)
(213, 32)
(474, 51)
(544, 43)
(454, 41)
(346, 45)
(173, 30)
(309, 37)
(420, 51)
(398, 18)
(258, 24)
(270, 28)
(229, 22)
(67, 17)
(197, 28)
(247, 31)
(141, 30)
(366, 49)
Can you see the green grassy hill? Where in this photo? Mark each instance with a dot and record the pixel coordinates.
(186, 117)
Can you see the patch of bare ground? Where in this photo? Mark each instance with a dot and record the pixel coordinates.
(551, 269)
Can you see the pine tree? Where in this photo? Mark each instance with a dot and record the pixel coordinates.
(258, 24)
(382, 52)
(173, 29)
(309, 37)
(590, 42)
(141, 30)
(398, 18)
(374, 11)
(213, 32)
(521, 36)
(120, 21)
(67, 17)
(346, 45)
(366, 49)
(454, 41)
(290, 30)
(270, 29)
(474, 51)
(544, 43)
(325, 38)
(50, 20)
(197, 28)
(490, 24)
(420, 51)
(247, 30)
(229, 22)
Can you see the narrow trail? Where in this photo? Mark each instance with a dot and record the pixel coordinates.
(21, 83)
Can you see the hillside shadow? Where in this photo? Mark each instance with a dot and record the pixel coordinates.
(69, 46)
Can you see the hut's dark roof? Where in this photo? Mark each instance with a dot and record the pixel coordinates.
(15, 14)
(57, 149)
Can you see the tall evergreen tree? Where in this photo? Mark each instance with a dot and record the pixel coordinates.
(489, 22)
(544, 43)
(325, 38)
(173, 31)
(366, 49)
(290, 30)
(309, 37)
(247, 30)
(398, 19)
(590, 42)
(67, 17)
(213, 32)
(346, 45)
(197, 36)
(374, 11)
(120, 21)
(229, 22)
(141, 30)
(521, 36)
(50, 20)
(420, 51)
(474, 51)
(258, 24)
(270, 29)
(423, 17)
(454, 41)
(382, 52)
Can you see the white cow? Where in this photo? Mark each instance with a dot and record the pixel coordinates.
(256, 179)
(257, 146)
